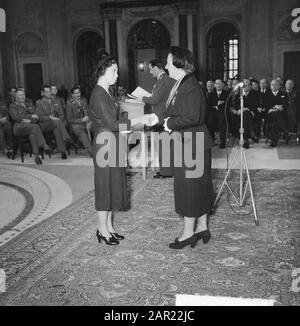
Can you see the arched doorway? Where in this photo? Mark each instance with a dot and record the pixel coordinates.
(222, 44)
(148, 39)
(87, 46)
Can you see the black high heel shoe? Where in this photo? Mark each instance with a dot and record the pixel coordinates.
(204, 235)
(107, 240)
(117, 236)
(38, 161)
(192, 241)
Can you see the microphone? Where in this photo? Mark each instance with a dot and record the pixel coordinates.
(239, 85)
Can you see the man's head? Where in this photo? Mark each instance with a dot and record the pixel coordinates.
(229, 83)
(280, 81)
(255, 84)
(247, 85)
(263, 84)
(274, 85)
(210, 86)
(46, 91)
(12, 91)
(156, 67)
(289, 85)
(219, 85)
(20, 96)
(54, 90)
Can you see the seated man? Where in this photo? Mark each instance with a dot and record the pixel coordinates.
(50, 115)
(25, 124)
(216, 112)
(292, 107)
(59, 103)
(6, 137)
(276, 105)
(250, 111)
(78, 119)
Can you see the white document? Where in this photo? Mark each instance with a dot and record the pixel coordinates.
(132, 100)
(140, 92)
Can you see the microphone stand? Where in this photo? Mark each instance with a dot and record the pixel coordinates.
(240, 199)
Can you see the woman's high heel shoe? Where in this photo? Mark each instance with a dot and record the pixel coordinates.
(109, 241)
(204, 235)
(117, 236)
(192, 241)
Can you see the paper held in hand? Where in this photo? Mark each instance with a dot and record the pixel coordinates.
(140, 92)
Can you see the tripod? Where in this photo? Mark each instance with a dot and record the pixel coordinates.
(240, 199)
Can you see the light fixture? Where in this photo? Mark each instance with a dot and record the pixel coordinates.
(141, 66)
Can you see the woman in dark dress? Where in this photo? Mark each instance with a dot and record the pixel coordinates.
(110, 179)
(185, 112)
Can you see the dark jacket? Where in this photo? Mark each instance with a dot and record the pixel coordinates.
(279, 99)
(104, 112)
(160, 94)
(18, 112)
(215, 99)
(76, 111)
(187, 109)
(251, 101)
(46, 108)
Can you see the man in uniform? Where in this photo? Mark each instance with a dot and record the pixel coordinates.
(6, 138)
(25, 124)
(160, 93)
(58, 102)
(78, 119)
(51, 117)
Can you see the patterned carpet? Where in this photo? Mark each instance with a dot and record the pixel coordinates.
(60, 263)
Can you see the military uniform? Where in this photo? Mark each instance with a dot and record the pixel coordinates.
(60, 102)
(18, 112)
(46, 108)
(76, 110)
(6, 137)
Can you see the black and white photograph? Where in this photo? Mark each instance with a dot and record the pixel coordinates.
(150, 155)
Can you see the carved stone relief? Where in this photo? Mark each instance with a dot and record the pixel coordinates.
(29, 44)
(28, 13)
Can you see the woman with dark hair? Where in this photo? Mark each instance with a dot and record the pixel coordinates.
(185, 113)
(110, 179)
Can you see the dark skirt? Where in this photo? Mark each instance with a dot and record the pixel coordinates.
(194, 196)
(110, 185)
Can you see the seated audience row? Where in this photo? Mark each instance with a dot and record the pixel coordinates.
(50, 116)
(272, 108)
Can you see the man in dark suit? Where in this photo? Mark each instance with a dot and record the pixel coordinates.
(160, 93)
(250, 111)
(216, 119)
(276, 105)
(264, 92)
